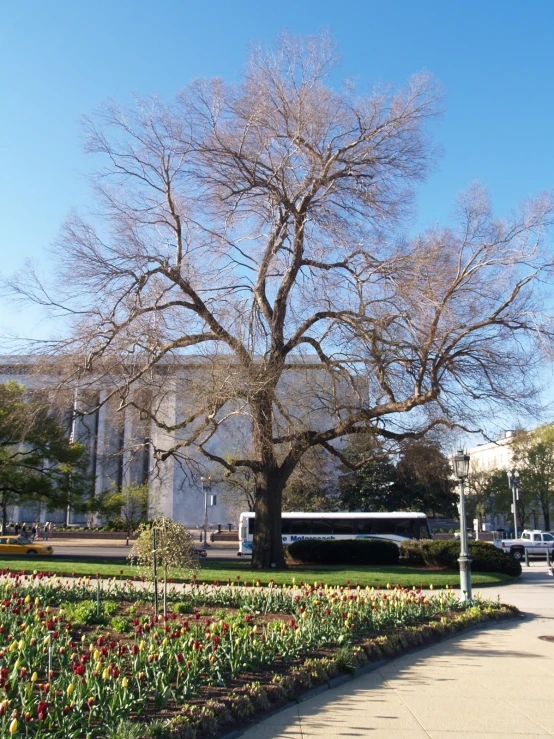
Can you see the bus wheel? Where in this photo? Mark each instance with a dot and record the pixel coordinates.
(239, 554)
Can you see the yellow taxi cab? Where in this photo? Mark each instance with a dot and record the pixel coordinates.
(19, 545)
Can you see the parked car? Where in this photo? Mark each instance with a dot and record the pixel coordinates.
(18, 545)
(535, 542)
(470, 535)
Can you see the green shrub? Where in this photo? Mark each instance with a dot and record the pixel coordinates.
(346, 551)
(485, 557)
(411, 553)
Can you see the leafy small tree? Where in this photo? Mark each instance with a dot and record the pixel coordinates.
(174, 551)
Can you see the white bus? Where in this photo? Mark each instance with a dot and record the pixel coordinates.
(395, 526)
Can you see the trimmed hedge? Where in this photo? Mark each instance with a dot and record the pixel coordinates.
(345, 551)
(485, 557)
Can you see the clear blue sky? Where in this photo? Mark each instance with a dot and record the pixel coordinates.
(60, 59)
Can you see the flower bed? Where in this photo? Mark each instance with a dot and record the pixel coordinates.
(113, 660)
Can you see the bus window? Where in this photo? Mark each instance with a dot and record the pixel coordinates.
(285, 525)
(323, 528)
(365, 526)
(343, 527)
(403, 527)
(251, 526)
(384, 526)
(301, 526)
(420, 529)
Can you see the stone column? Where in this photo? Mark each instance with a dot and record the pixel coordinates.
(101, 481)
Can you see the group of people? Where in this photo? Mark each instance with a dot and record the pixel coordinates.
(33, 532)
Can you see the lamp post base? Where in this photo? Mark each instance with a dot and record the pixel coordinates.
(465, 578)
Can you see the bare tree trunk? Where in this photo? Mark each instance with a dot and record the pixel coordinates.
(267, 545)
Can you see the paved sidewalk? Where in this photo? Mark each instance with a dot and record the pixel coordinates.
(494, 682)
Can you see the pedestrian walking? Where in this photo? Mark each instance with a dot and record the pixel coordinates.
(16, 529)
(24, 531)
(46, 530)
(34, 529)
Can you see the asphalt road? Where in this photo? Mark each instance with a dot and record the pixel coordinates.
(120, 550)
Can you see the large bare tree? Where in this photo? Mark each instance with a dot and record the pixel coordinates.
(251, 236)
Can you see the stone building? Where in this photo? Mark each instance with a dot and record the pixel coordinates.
(120, 442)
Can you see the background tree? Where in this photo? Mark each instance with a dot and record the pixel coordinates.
(37, 463)
(533, 456)
(253, 224)
(371, 488)
(238, 491)
(424, 479)
(491, 494)
(313, 486)
(129, 505)
(416, 479)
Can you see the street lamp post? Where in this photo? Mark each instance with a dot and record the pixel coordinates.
(461, 470)
(205, 481)
(513, 482)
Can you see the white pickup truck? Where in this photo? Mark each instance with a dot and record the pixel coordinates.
(535, 542)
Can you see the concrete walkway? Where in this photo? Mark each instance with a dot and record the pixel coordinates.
(493, 682)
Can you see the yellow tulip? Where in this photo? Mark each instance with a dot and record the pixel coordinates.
(165, 642)
(125, 682)
(28, 599)
(37, 601)
(105, 674)
(141, 647)
(70, 688)
(21, 644)
(34, 677)
(96, 655)
(13, 726)
(17, 664)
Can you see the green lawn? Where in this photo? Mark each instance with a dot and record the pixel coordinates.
(211, 571)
